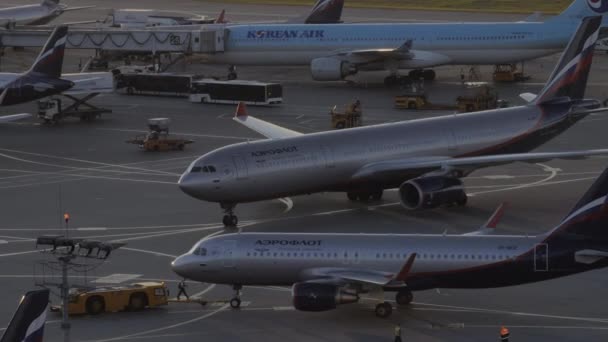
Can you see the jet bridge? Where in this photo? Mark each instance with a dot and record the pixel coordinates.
(200, 40)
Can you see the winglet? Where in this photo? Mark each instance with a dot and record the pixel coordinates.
(221, 19)
(496, 216)
(241, 110)
(405, 270)
(407, 46)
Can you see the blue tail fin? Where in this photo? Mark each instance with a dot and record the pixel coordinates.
(27, 324)
(589, 217)
(50, 61)
(326, 12)
(580, 9)
(569, 78)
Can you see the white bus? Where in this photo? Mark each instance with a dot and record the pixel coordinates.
(235, 91)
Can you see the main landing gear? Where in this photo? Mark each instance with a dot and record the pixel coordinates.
(229, 220)
(413, 75)
(235, 302)
(403, 298)
(365, 196)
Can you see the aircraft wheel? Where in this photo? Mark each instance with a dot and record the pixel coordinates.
(235, 303)
(384, 310)
(429, 75)
(351, 196)
(404, 297)
(364, 196)
(95, 305)
(377, 195)
(463, 201)
(390, 81)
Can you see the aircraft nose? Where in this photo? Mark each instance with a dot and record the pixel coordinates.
(188, 185)
(181, 266)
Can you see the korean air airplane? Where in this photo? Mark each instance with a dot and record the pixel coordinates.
(337, 51)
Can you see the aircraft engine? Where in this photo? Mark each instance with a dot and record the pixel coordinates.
(431, 192)
(319, 297)
(330, 69)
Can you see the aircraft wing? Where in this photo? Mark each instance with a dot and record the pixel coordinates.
(67, 9)
(14, 117)
(267, 129)
(421, 165)
(89, 83)
(369, 55)
(341, 276)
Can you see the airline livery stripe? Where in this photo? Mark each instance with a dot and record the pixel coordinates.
(36, 324)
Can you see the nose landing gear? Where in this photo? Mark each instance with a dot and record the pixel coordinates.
(229, 220)
(235, 302)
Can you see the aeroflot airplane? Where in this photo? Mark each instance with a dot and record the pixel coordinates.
(337, 51)
(331, 269)
(34, 14)
(424, 158)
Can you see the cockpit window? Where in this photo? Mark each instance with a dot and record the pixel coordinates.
(211, 168)
(200, 251)
(205, 169)
(196, 169)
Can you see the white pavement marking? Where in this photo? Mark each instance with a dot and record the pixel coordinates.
(2, 242)
(92, 228)
(21, 253)
(148, 171)
(148, 252)
(493, 177)
(552, 174)
(199, 294)
(186, 134)
(288, 203)
(116, 278)
(166, 327)
(283, 308)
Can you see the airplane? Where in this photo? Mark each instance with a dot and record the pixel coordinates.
(329, 269)
(335, 52)
(424, 158)
(28, 322)
(42, 79)
(323, 12)
(34, 14)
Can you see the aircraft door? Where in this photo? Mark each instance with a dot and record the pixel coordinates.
(328, 156)
(451, 141)
(541, 257)
(229, 253)
(241, 167)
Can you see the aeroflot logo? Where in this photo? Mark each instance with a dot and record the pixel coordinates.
(274, 151)
(285, 34)
(288, 242)
(599, 6)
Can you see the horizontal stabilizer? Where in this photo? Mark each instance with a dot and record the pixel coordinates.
(267, 129)
(492, 222)
(14, 117)
(589, 256)
(528, 97)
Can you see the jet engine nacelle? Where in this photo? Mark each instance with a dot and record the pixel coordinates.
(319, 297)
(431, 192)
(330, 69)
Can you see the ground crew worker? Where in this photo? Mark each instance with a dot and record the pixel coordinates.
(504, 334)
(397, 333)
(182, 289)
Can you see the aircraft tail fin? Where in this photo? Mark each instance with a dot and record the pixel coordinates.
(569, 78)
(28, 322)
(326, 12)
(589, 217)
(221, 18)
(580, 9)
(50, 60)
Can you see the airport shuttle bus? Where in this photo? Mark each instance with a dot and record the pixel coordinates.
(235, 91)
(157, 84)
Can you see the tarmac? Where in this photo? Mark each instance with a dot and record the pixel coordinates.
(115, 192)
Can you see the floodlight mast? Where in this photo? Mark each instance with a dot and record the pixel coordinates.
(65, 255)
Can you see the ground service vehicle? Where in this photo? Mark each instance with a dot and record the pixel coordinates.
(51, 111)
(158, 138)
(508, 73)
(419, 100)
(352, 116)
(235, 91)
(131, 297)
(156, 84)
